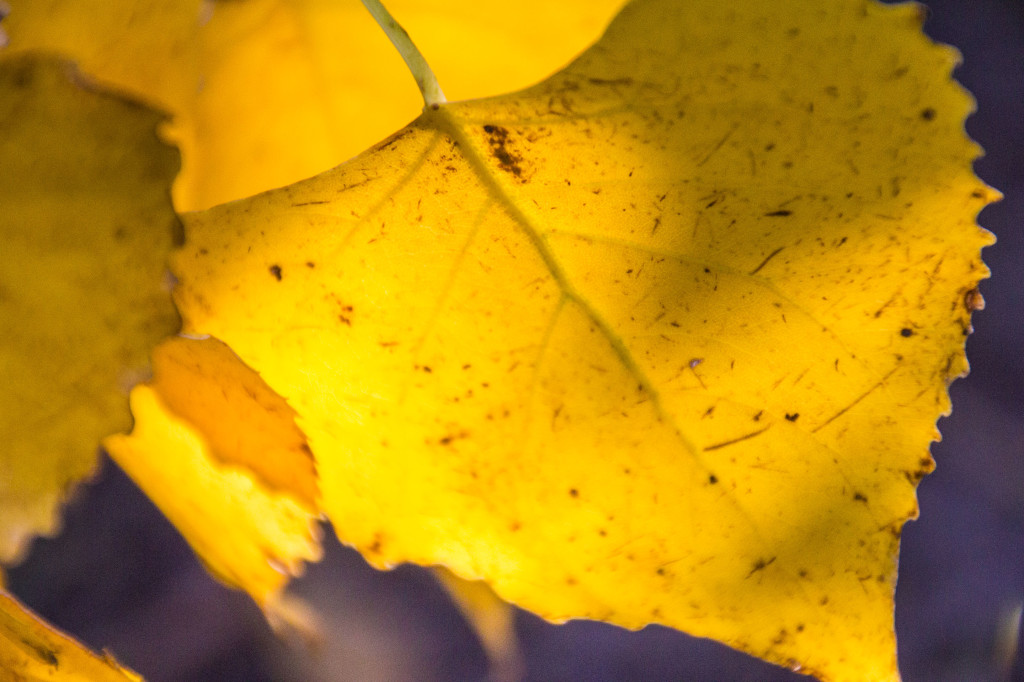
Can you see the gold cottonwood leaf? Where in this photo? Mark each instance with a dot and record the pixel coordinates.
(261, 92)
(85, 230)
(492, 618)
(245, 423)
(195, 448)
(661, 339)
(32, 651)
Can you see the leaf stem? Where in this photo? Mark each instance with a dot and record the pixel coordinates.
(425, 79)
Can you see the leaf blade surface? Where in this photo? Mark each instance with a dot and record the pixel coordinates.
(662, 339)
(86, 227)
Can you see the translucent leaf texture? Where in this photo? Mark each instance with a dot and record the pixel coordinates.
(661, 339)
(85, 230)
(219, 454)
(267, 92)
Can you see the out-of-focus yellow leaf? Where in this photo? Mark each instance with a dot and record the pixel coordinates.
(194, 450)
(268, 92)
(242, 420)
(146, 47)
(85, 228)
(33, 651)
(662, 339)
(493, 620)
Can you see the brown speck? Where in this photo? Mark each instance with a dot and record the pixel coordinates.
(611, 81)
(760, 565)
(906, 331)
(793, 417)
(973, 301)
(712, 479)
(860, 497)
(928, 114)
(781, 213)
(498, 141)
(738, 439)
(275, 270)
(573, 492)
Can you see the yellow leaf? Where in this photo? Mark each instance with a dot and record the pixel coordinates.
(32, 651)
(493, 621)
(225, 464)
(662, 339)
(267, 92)
(244, 422)
(85, 229)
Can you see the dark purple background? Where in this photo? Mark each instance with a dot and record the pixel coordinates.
(120, 577)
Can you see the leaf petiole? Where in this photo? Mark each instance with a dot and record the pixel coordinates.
(425, 79)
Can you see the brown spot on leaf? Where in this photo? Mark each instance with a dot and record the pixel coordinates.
(610, 81)
(508, 160)
(973, 300)
(760, 565)
(738, 439)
